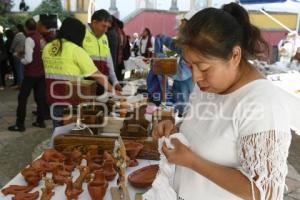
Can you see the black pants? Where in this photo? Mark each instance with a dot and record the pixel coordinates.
(38, 86)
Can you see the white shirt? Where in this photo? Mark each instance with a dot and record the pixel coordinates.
(29, 46)
(220, 128)
(143, 43)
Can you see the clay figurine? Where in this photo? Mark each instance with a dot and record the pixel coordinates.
(14, 189)
(60, 175)
(71, 192)
(41, 166)
(47, 191)
(51, 155)
(84, 172)
(26, 196)
(31, 176)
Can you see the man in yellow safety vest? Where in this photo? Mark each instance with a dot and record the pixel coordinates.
(96, 45)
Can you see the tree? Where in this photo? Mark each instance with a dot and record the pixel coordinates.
(52, 7)
(5, 6)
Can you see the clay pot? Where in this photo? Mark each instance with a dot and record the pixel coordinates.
(109, 170)
(97, 188)
(31, 176)
(71, 192)
(14, 189)
(51, 155)
(143, 177)
(26, 196)
(132, 150)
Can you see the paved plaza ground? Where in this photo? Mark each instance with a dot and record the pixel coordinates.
(18, 149)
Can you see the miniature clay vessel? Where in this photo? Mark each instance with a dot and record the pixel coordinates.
(31, 176)
(143, 177)
(71, 192)
(84, 172)
(108, 156)
(26, 196)
(132, 150)
(109, 170)
(47, 191)
(51, 155)
(97, 188)
(14, 189)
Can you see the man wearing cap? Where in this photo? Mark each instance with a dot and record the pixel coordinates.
(96, 45)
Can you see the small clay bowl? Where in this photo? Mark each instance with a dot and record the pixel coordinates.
(144, 177)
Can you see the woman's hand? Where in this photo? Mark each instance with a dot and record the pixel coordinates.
(180, 155)
(163, 128)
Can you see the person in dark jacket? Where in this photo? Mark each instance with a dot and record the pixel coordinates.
(34, 78)
(119, 46)
(10, 58)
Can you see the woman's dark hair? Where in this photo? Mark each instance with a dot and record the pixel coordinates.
(20, 28)
(214, 32)
(148, 31)
(30, 24)
(72, 30)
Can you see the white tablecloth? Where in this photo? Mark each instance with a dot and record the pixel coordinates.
(289, 82)
(60, 190)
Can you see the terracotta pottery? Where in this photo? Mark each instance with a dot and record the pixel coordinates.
(84, 172)
(51, 155)
(93, 166)
(60, 175)
(108, 156)
(31, 176)
(132, 150)
(97, 188)
(40, 165)
(143, 177)
(14, 189)
(109, 170)
(54, 165)
(71, 192)
(47, 191)
(26, 196)
(69, 165)
(76, 156)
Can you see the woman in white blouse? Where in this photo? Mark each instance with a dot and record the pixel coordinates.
(237, 123)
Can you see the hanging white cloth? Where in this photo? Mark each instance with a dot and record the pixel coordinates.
(162, 185)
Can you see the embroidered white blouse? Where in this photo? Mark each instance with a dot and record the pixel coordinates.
(248, 129)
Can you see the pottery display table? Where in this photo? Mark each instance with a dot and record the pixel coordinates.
(60, 190)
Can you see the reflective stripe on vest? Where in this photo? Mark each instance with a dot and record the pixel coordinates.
(62, 77)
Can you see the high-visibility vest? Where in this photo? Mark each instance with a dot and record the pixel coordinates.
(71, 64)
(98, 50)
